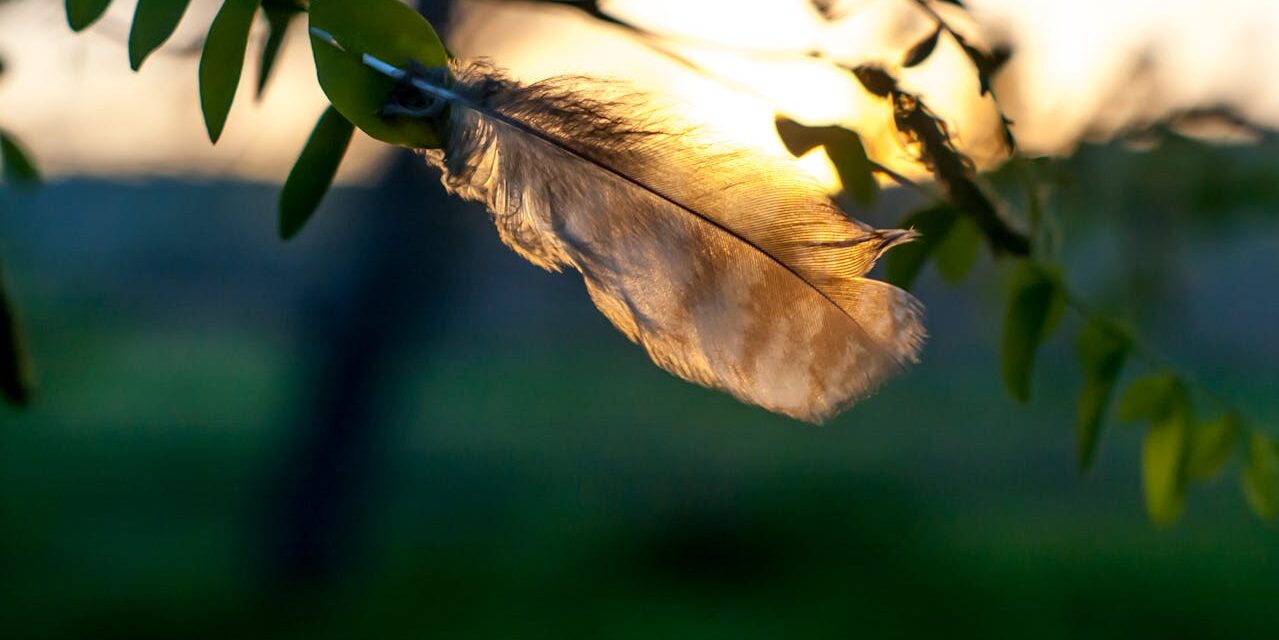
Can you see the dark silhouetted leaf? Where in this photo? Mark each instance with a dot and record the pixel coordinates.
(18, 168)
(856, 171)
(957, 251)
(1260, 478)
(222, 62)
(153, 23)
(82, 13)
(280, 14)
(1034, 305)
(15, 376)
(592, 9)
(1150, 398)
(875, 80)
(1211, 444)
(1163, 454)
(923, 130)
(390, 31)
(798, 139)
(1102, 351)
(986, 63)
(903, 264)
(313, 173)
(920, 52)
(843, 147)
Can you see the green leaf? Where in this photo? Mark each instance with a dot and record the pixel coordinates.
(18, 168)
(313, 174)
(1163, 454)
(279, 16)
(856, 171)
(153, 23)
(82, 13)
(392, 32)
(1211, 445)
(957, 252)
(904, 263)
(1152, 397)
(15, 374)
(1034, 306)
(222, 62)
(1260, 478)
(1102, 351)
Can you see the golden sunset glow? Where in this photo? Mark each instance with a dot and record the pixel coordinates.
(728, 65)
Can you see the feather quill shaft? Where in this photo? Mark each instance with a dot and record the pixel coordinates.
(728, 267)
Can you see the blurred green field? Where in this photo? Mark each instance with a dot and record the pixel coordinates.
(534, 476)
(531, 496)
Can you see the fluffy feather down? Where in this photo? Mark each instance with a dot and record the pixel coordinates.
(731, 269)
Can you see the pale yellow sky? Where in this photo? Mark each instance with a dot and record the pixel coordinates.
(1078, 65)
(74, 101)
(78, 107)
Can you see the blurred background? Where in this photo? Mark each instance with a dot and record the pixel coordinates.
(392, 426)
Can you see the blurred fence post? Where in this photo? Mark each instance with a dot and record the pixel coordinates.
(399, 283)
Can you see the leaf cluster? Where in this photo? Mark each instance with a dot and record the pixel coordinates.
(386, 28)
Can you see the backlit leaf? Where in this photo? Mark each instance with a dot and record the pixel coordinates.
(313, 173)
(392, 32)
(1163, 453)
(1102, 351)
(1150, 398)
(1211, 444)
(1260, 478)
(223, 60)
(153, 22)
(82, 13)
(1034, 305)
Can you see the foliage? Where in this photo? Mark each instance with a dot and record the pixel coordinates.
(153, 22)
(1102, 353)
(394, 33)
(83, 13)
(311, 176)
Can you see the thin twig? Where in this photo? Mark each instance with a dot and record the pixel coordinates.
(1146, 353)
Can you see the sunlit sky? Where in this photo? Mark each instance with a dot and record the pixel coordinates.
(1080, 66)
(78, 107)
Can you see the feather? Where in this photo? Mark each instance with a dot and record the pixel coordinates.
(731, 269)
